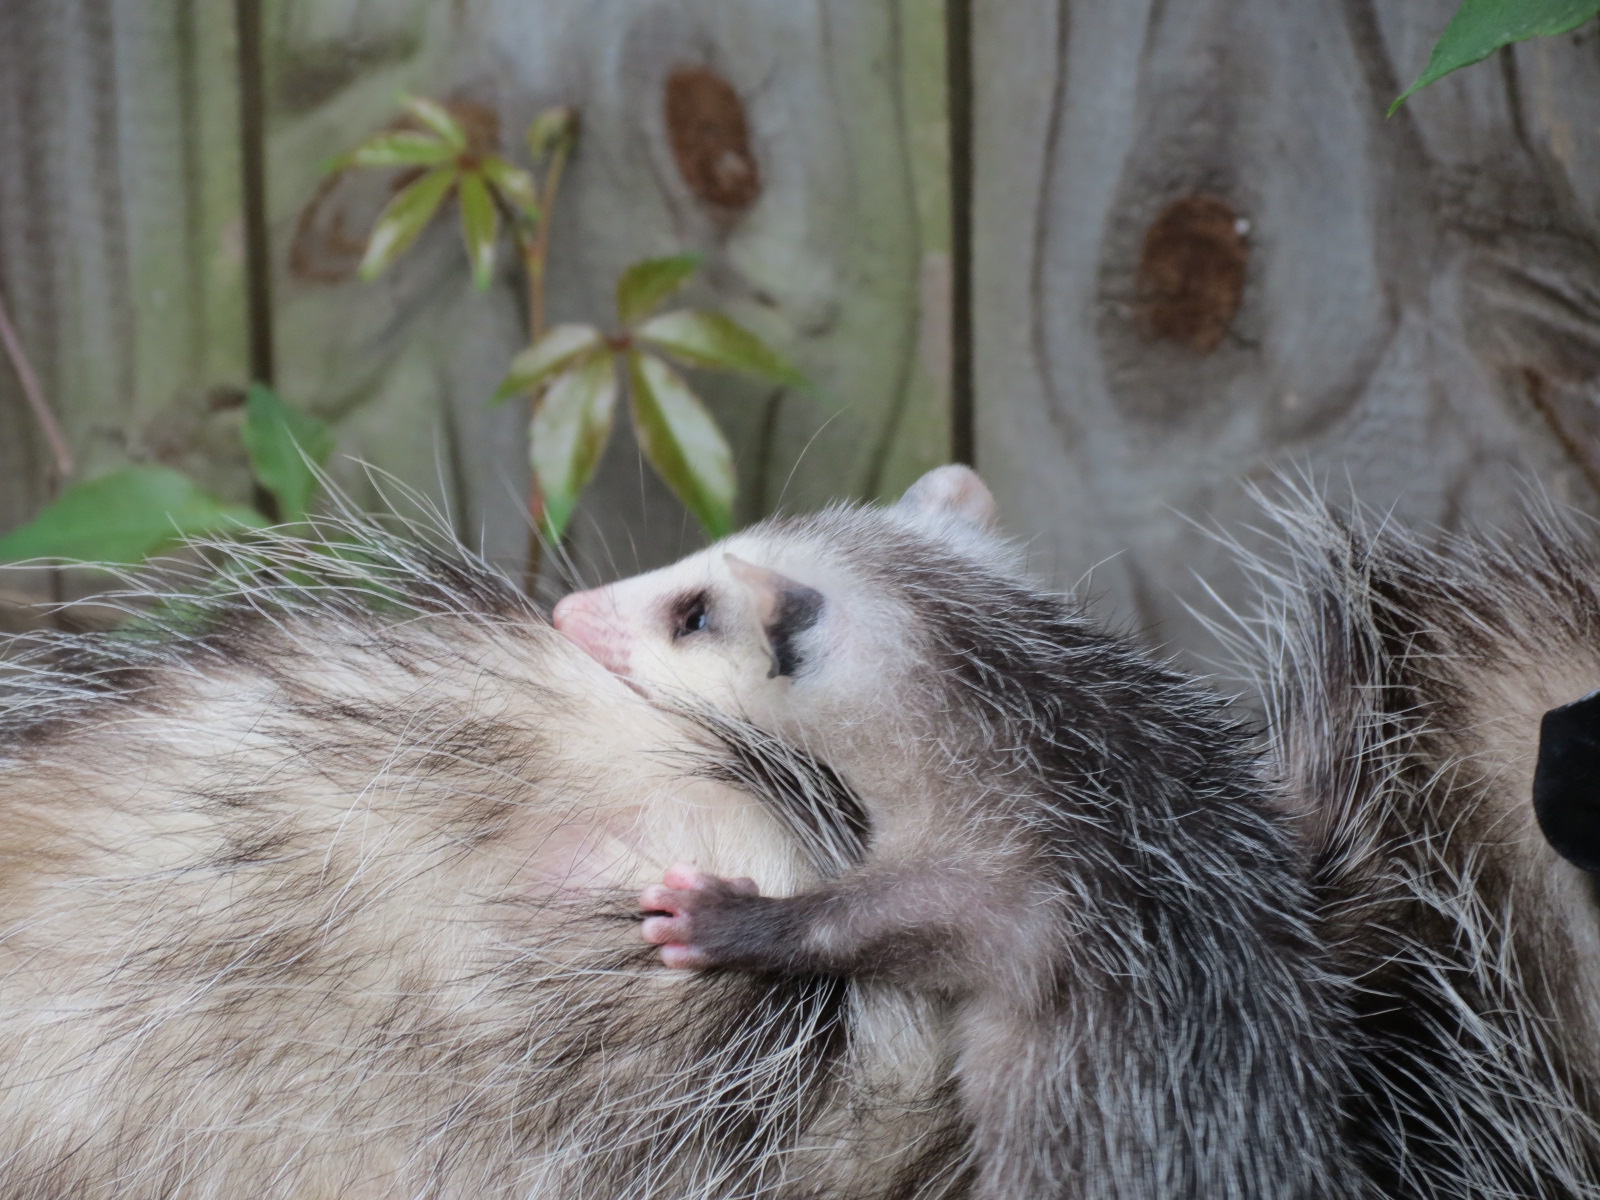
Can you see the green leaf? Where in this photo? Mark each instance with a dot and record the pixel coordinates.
(549, 129)
(682, 442)
(124, 517)
(555, 351)
(571, 425)
(480, 225)
(285, 446)
(711, 339)
(405, 148)
(1480, 27)
(437, 117)
(516, 186)
(646, 284)
(404, 218)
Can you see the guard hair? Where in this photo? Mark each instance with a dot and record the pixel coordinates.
(1071, 843)
(1405, 678)
(319, 880)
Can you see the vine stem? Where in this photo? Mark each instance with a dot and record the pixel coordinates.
(29, 380)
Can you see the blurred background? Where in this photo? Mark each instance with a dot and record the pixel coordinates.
(1125, 256)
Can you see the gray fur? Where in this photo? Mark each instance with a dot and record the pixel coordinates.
(297, 901)
(1405, 679)
(1070, 841)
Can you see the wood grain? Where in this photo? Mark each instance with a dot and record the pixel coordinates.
(119, 240)
(830, 242)
(1404, 279)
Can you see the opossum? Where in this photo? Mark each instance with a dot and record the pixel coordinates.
(1405, 677)
(321, 883)
(1069, 840)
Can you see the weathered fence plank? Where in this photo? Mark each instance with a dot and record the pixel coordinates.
(1203, 256)
(831, 241)
(120, 257)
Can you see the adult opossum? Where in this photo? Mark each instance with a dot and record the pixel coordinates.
(323, 884)
(1069, 838)
(1405, 682)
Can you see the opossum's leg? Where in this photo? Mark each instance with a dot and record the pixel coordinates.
(901, 924)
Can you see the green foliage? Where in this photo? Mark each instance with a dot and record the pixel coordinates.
(513, 185)
(438, 119)
(404, 148)
(480, 225)
(554, 352)
(572, 370)
(714, 340)
(285, 448)
(644, 285)
(124, 517)
(1480, 27)
(550, 130)
(481, 180)
(405, 217)
(571, 425)
(572, 417)
(682, 442)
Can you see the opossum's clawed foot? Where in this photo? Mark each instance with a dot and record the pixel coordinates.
(688, 897)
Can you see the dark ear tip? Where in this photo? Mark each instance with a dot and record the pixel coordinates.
(1566, 781)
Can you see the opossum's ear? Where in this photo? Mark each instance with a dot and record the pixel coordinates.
(785, 609)
(1566, 781)
(952, 491)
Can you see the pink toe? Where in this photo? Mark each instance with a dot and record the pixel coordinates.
(657, 898)
(682, 957)
(661, 931)
(686, 878)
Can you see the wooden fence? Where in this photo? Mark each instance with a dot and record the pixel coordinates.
(1188, 251)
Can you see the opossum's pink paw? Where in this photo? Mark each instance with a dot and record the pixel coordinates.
(673, 905)
(685, 877)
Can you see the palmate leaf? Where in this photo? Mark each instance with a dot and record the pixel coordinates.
(710, 339)
(515, 186)
(646, 284)
(551, 353)
(403, 148)
(571, 425)
(405, 217)
(1480, 27)
(480, 225)
(438, 118)
(284, 446)
(124, 517)
(682, 442)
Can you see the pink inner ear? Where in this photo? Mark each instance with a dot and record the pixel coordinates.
(953, 491)
(766, 585)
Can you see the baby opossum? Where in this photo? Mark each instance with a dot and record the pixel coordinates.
(1068, 839)
(1406, 679)
(322, 885)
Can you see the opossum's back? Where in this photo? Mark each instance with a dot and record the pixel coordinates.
(317, 901)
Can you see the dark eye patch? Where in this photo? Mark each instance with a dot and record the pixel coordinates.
(797, 611)
(690, 614)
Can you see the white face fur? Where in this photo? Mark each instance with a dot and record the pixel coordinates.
(771, 625)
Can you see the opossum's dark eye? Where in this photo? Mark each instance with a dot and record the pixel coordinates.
(692, 614)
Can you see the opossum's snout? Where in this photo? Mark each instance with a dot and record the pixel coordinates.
(590, 620)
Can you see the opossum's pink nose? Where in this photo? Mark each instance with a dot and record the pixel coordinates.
(590, 620)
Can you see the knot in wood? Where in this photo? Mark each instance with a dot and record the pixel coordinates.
(710, 139)
(1192, 271)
